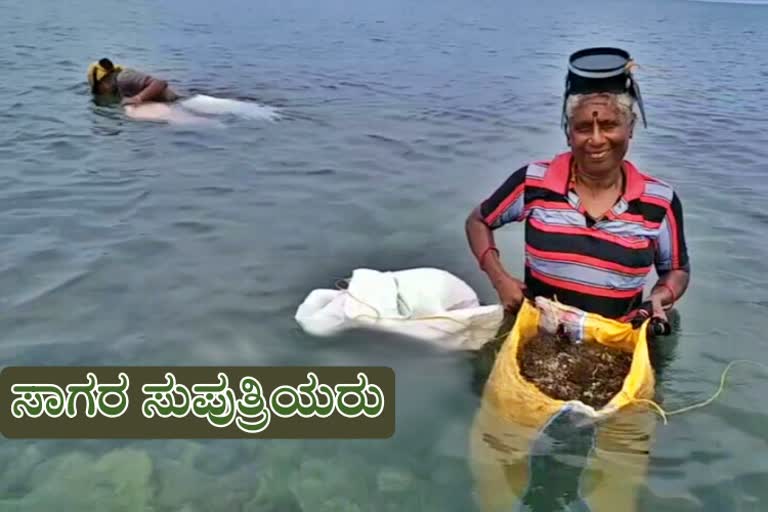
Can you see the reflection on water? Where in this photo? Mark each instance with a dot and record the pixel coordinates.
(136, 243)
(568, 464)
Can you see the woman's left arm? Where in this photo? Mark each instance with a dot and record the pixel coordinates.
(672, 263)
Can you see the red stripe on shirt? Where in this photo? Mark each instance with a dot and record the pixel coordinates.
(510, 199)
(675, 246)
(588, 261)
(658, 201)
(549, 205)
(636, 219)
(673, 233)
(595, 233)
(585, 289)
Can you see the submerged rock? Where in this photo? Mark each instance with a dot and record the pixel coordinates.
(394, 480)
(178, 484)
(319, 481)
(117, 482)
(16, 478)
(276, 502)
(338, 504)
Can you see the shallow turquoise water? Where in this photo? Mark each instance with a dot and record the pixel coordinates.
(130, 243)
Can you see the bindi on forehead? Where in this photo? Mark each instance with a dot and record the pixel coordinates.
(597, 111)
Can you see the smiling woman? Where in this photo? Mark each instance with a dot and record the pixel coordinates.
(601, 126)
(595, 225)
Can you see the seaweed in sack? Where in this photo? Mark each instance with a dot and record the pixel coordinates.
(527, 447)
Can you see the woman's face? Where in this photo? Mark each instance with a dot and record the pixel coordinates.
(599, 134)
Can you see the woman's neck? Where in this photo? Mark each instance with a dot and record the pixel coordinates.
(598, 182)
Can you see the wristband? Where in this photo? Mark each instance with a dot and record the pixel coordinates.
(671, 291)
(484, 254)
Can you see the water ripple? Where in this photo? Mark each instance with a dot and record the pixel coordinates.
(132, 243)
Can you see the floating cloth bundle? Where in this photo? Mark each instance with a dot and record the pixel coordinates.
(427, 304)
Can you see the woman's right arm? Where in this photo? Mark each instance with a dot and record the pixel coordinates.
(505, 205)
(483, 246)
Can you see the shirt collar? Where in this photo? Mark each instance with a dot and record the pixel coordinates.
(558, 173)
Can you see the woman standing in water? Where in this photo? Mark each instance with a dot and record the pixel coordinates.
(595, 224)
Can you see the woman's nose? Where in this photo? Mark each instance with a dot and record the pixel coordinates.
(597, 137)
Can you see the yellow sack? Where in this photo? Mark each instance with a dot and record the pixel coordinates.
(511, 442)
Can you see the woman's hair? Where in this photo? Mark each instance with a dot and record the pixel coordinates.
(107, 64)
(624, 101)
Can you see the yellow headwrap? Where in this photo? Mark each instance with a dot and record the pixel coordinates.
(97, 70)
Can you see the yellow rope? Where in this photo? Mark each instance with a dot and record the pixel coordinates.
(378, 315)
(653, 404)
(664, 414)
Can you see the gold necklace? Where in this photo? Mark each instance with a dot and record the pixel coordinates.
(619, 180)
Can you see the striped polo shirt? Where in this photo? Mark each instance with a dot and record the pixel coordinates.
(597, 265)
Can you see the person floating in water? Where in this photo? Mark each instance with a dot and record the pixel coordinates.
(132, 86)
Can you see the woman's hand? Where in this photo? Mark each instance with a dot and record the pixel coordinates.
(511, 291)
(658, 308)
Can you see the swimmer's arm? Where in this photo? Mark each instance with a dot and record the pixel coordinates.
(153, 91)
